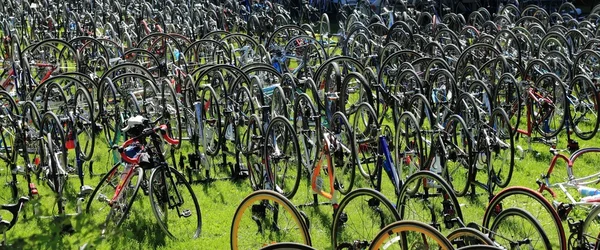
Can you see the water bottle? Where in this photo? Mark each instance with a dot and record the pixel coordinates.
(595, 198)
(588, 191)
(176, 54)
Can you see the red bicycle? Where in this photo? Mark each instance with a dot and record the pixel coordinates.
(172, 199)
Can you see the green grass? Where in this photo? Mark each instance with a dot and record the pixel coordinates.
(218, 201)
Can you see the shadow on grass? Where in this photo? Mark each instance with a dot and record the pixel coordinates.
(72, 232)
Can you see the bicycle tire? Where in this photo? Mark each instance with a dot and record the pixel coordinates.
(31, 116)
(408, 145)
(128, 200)
(403, 227)
(86, 152)
(587, 101)
(364, 125)
(466, 236)
(253, 140)
(289, 134)
(508, 97)
(9, 109)
(377, 205)
(542, 126)
(344, 175)
(109, 113)
(55, 130)
(266, 196)
(211, 117)
(480, 247)
(501, 133)
(502, 216)
(158, 202)
(462, 142)
(171, 114)
(588, 231)
(307, 126)
(287, 246)
(436, 187)
(496, 203)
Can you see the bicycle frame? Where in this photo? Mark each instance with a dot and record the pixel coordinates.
(124, 181)
(387, 164)
(536, 99)
(572, 182)
(315, 184)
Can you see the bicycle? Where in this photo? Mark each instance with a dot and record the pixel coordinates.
(20, 132)
(581, 231)
(269, 218)
(117, 190)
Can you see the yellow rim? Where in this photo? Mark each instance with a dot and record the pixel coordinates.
(264, 195)
(410, 226)
(459, 234)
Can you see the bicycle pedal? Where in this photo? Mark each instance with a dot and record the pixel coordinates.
(18, 170)
(71, 170)
(343, 218)
(186, 213)
(85, 190)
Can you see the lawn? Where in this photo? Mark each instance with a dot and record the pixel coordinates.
(218, 201)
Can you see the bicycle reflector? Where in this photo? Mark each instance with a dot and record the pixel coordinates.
(70, 143)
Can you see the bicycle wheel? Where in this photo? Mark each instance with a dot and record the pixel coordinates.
(360, 216)
(210, 127)
(267, 217)
(465, 236)
(245, 106)
(344, 156)
(589, 235)
(84, 116)
(426, 197)
(408, 146)
(536, 204)
(549, 115)
(287, 246)
(7, 135)
(503, 148)
(55, 159)
(469, 111)
(364, 125)
(515, 227)
(508, 97)
(282, 157)
(410, 235)
(104, 215)
(172, 198)
(170, 112)
(420, 108)
(480, 247)
(307, 126)
(31, 117)
(584, 105)
(279, 103)
(253, 139)
(110, 113)
(458, 145)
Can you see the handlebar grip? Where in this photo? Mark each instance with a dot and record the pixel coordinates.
(166, 137)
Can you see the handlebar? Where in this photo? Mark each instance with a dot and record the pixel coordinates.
(147, 132)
